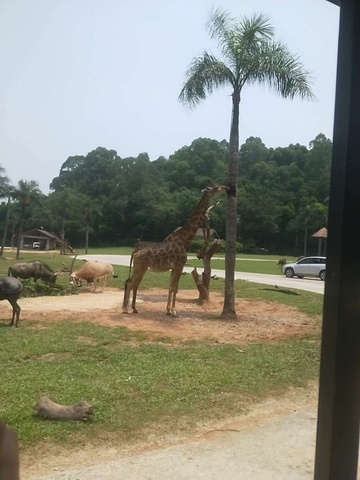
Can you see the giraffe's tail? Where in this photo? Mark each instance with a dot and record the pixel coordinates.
(131, 261)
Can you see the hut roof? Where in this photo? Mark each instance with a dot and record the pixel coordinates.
(39, 232)
(322, 233)
(201, 233)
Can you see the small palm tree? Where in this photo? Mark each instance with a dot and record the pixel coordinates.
(25, 193)
(249, 56)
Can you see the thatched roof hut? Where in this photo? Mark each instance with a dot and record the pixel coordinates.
(322, 233)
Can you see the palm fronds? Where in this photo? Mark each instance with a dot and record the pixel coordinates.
(249, 56)
(203, 75)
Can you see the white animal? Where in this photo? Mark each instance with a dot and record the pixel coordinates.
(92, 271)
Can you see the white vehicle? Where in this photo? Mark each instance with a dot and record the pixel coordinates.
(306, 267)
(36, 245)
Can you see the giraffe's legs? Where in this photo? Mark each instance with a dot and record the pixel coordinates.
(132, 284)
(173, 289)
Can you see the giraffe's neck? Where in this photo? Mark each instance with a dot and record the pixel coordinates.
(187, 232)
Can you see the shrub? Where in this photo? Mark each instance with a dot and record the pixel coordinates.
(195, 246)
(41, 289)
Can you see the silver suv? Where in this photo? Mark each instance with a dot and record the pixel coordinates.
(306, 267)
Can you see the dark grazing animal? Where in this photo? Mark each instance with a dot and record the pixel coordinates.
(281, 262)
(34, 269)
(10, 289)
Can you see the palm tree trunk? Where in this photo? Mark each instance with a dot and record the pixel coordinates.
(231, 211)
(305, 241)
(87, 229)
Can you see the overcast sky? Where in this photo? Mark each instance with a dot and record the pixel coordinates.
(78, 74)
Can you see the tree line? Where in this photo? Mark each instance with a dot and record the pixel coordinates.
(102, 199)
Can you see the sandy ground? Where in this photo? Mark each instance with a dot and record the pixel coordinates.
(258, 320)
(275, 440)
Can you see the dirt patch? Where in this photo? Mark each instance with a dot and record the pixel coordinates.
(258, 320)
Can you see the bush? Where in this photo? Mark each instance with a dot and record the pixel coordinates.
(41, 289)
(195, 246)
(239, 247)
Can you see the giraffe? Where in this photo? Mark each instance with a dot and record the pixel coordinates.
(170, 254)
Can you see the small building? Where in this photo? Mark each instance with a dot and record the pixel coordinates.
(46, 240)
(321, 234)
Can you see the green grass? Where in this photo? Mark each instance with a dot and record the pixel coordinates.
(244, 263)
(249, 266)
(133, 381)
(106, 251)
(307, 302)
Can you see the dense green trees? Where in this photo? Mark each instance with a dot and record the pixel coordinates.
(282, 195)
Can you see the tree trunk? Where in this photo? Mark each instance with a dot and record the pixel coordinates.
(19, 236)
(49, 409)
(319, 247)
(62, 237)
(305, 241)
(6, 227)
(13, 238)
(87, 238)
(231, 212)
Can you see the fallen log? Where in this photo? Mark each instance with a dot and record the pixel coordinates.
(48, 409)
(281, 290)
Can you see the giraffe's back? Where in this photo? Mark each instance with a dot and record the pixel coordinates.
(160, 257)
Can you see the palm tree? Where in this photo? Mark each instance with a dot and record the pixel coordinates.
(25, 193)
(250, 55)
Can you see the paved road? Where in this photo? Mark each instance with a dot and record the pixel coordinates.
(310, 285)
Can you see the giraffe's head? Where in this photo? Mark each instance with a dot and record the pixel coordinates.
(215, 188)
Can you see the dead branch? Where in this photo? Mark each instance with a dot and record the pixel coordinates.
(53, 411)
(203, 291)
(72, 264)
(207, 214)
(208, 249)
